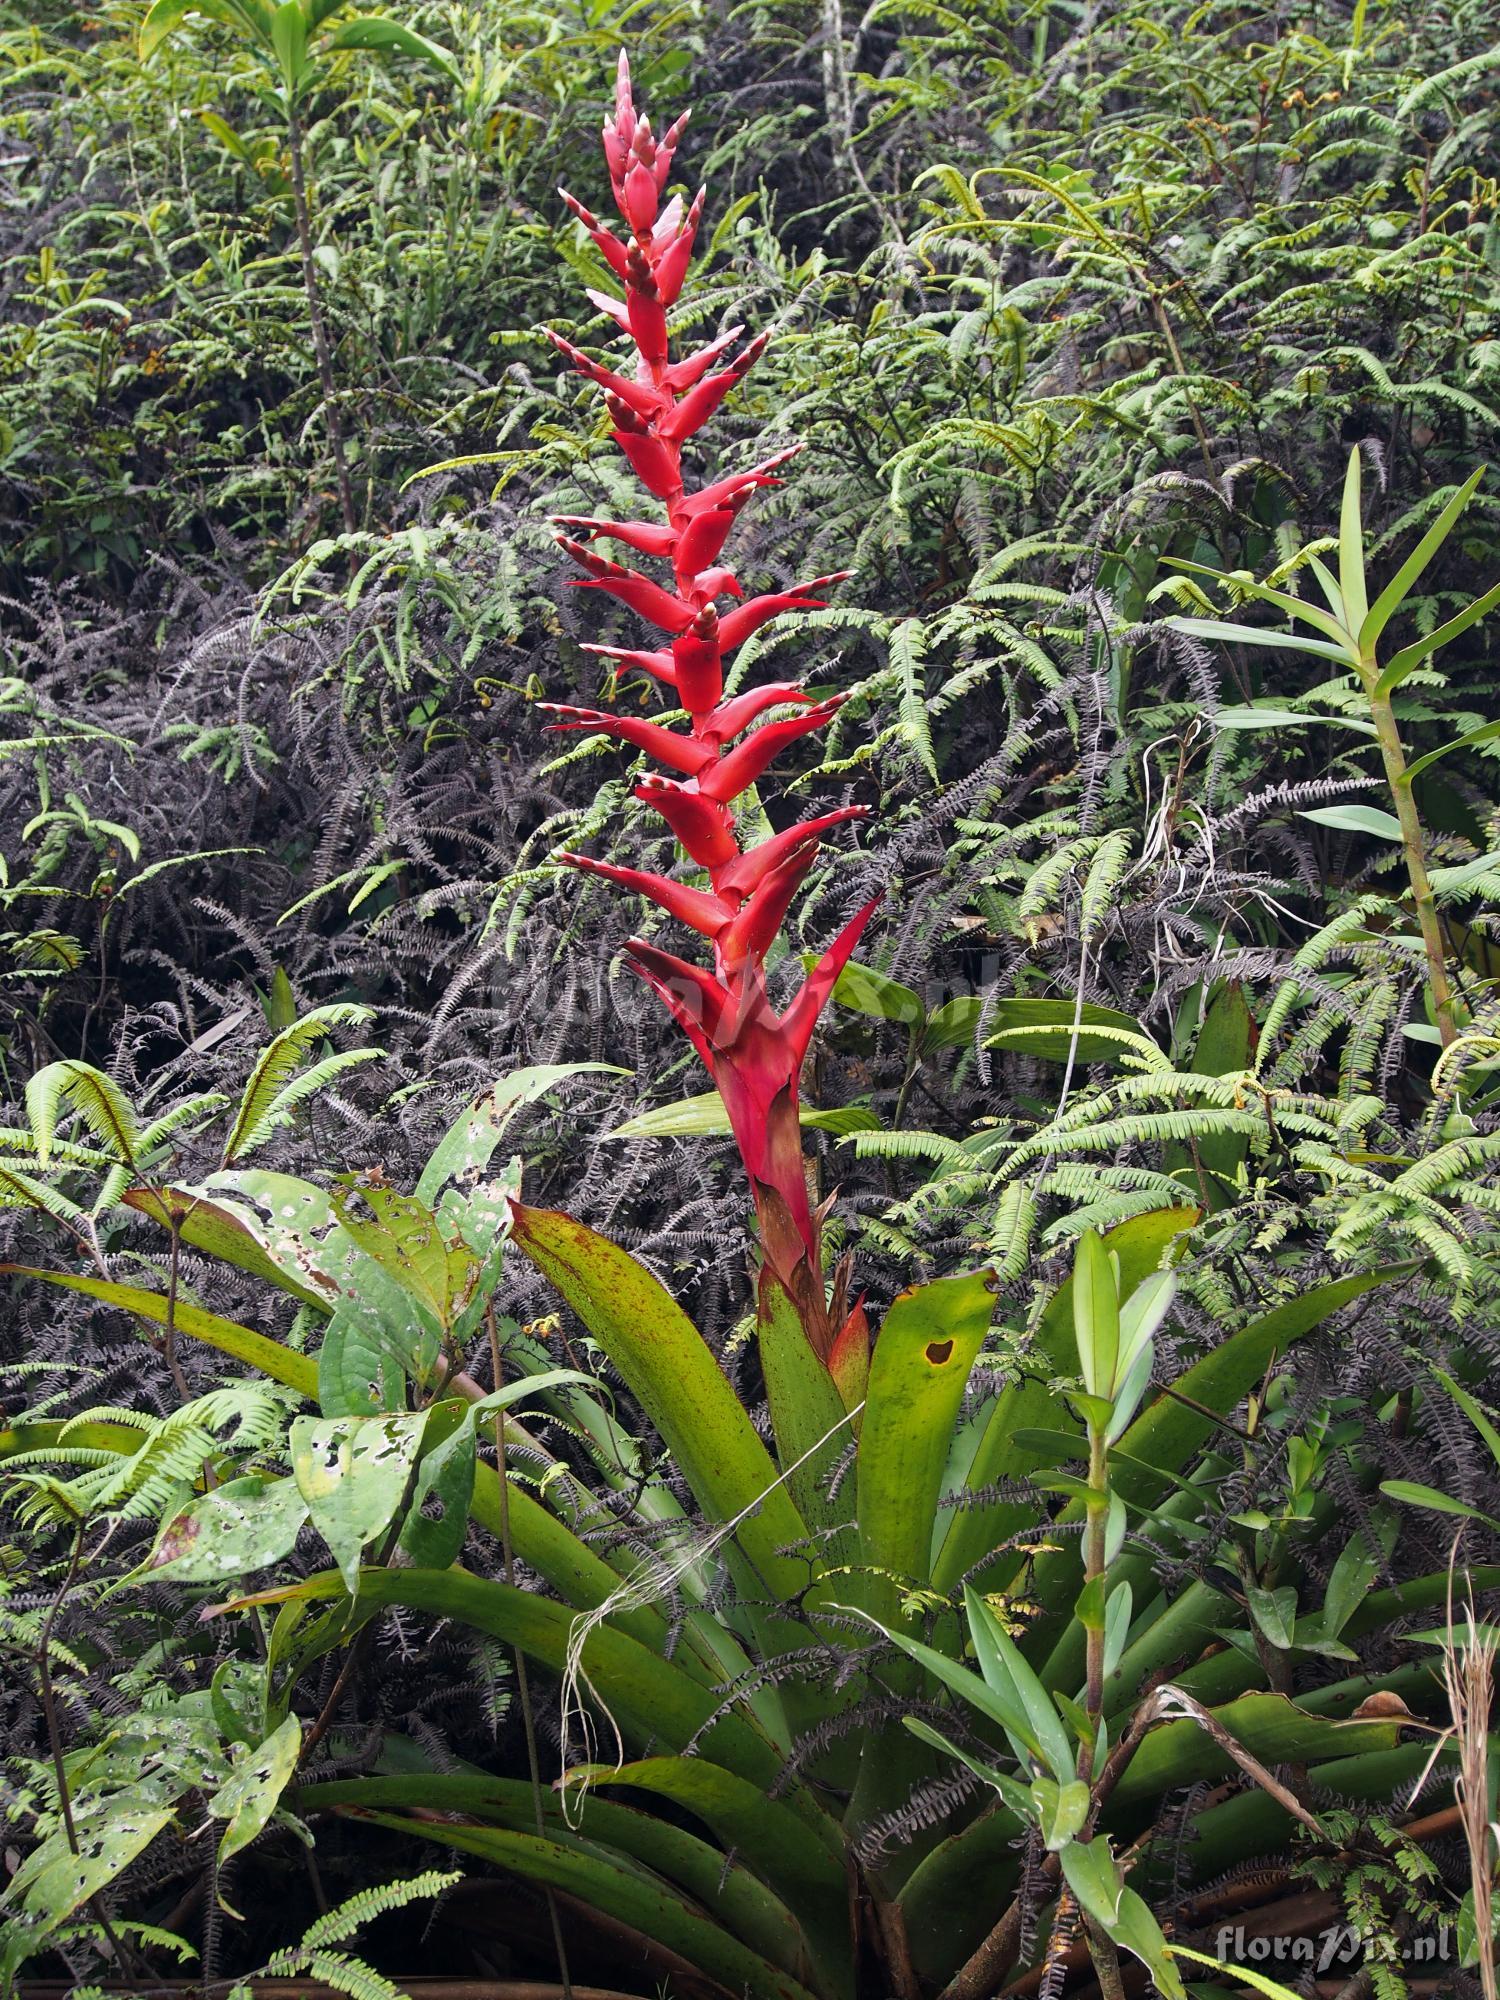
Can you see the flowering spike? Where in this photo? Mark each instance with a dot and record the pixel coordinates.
(703, 827)
(656, 405)
(737, 771)
(682, 753)
(708, 914)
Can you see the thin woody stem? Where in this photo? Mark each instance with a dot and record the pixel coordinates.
(1399, 779)
(321, 348)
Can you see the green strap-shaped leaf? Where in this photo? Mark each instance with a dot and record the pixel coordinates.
(806, 1871)
(1170, 1431)
(650, 1698)
(918, 1373)
(1411, 657)
(724, 1888)
(1389, 602)
(258, 1350)
(628, 1894)
(385, 37)
(672, 1374)
(1273, 1729)
(1259, 635)
(806, 1408)
(1352, 548)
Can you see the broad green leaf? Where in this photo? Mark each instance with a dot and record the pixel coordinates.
(297, 1371)
(1352, 549)
(352, 1472)
(289, 40)
(1392, 597)
(1469, 741)
(467, 1147)
(1045, 1028)
(252, 1794)
(52, 1881)
(1090, 1872)
(954, 1023)
(1061, 1810)
(1360, 1562)
(1355, 819)
(1006, 1670)
(374, 1340)
(401, 1234)
(1411, 657)
(1275, 1612)
(1434, 1501)
(629, 1894)
(246, 1524)
(1138, 1931)
(1096, 1315)
(918, 1373)
(1267, 715)
(863, 990)
(704, 1117)
(164, 17)
(673, 1375)
(1255, 635)
(223, 1232)
(386, 37)
(437, 1517)
(437, 1521)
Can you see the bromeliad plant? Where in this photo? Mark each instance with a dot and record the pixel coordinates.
(753, 1054)
(720, 1656)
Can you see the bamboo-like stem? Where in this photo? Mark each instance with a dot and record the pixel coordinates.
(1399, 779)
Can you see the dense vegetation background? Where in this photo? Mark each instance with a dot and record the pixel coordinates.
(1062, 296)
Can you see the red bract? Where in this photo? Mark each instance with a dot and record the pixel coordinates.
(753, 1054)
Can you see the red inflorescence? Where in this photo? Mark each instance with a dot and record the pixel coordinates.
(753, 1054)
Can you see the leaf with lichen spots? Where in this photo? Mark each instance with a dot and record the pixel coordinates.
(252, 1794)
(353, 1472)
(52, 1882)
(245, 1524)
